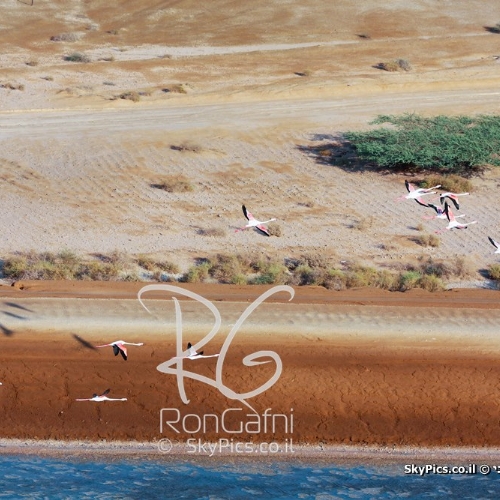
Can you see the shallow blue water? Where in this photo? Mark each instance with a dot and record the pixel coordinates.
(32, 477)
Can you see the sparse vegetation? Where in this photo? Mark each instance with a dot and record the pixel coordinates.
(493, 29)
(189, 146)
(32, 62)
(274, 229)
(48, 78)
(427, 240)
(460, 145)
(65, 37)
(397, 65)
(313, 269)
(178, 88)
(212, 231)
(452, 183)
(364, 223)
(307, 203)
(175, 184)
(494, 272)
(391, 66)
(12, 86)
(156, 267)
(77, 57)
(130, 96)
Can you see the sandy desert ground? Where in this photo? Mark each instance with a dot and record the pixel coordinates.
(77, 167)
(252, 91)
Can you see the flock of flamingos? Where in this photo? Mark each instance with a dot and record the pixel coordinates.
(442, 213)
(414, 193)
(119, 348)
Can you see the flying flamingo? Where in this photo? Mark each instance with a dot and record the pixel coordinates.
(195, 355)
(102, 397)
(253, 222)
(495, 244)
(119, 347)
(439, 213)
(415, 193)
(452, 223)
(453, 197)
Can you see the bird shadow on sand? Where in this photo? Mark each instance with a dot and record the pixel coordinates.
(84, 342)
(336, 151)
(17, 306)
(15, 316)
(6, 331)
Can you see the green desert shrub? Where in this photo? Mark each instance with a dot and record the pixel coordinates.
(458, 144)
(409, 280)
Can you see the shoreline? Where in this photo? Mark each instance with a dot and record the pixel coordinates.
(340, 454)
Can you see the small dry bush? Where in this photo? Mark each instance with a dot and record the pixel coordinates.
(427, 240)
(464, 267)
(32, 62)
(176, 184)
(223, 268)
(397, 65)
(494, 271)
(146, 262)
(274, 229)
(197, 273)
(77, 57)
(432, 267)
(12, 86)
(391, 66)
(65, 37)
(403, 64)
(494, 29)
(167, 267)
(130, 96)
(363, 224)
(48, 78)
(189, 146)
(213, 231)
(307, 203)
(453, 183)
(431, 283)
(181, 88)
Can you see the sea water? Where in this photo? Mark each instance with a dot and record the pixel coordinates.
(36, 477)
